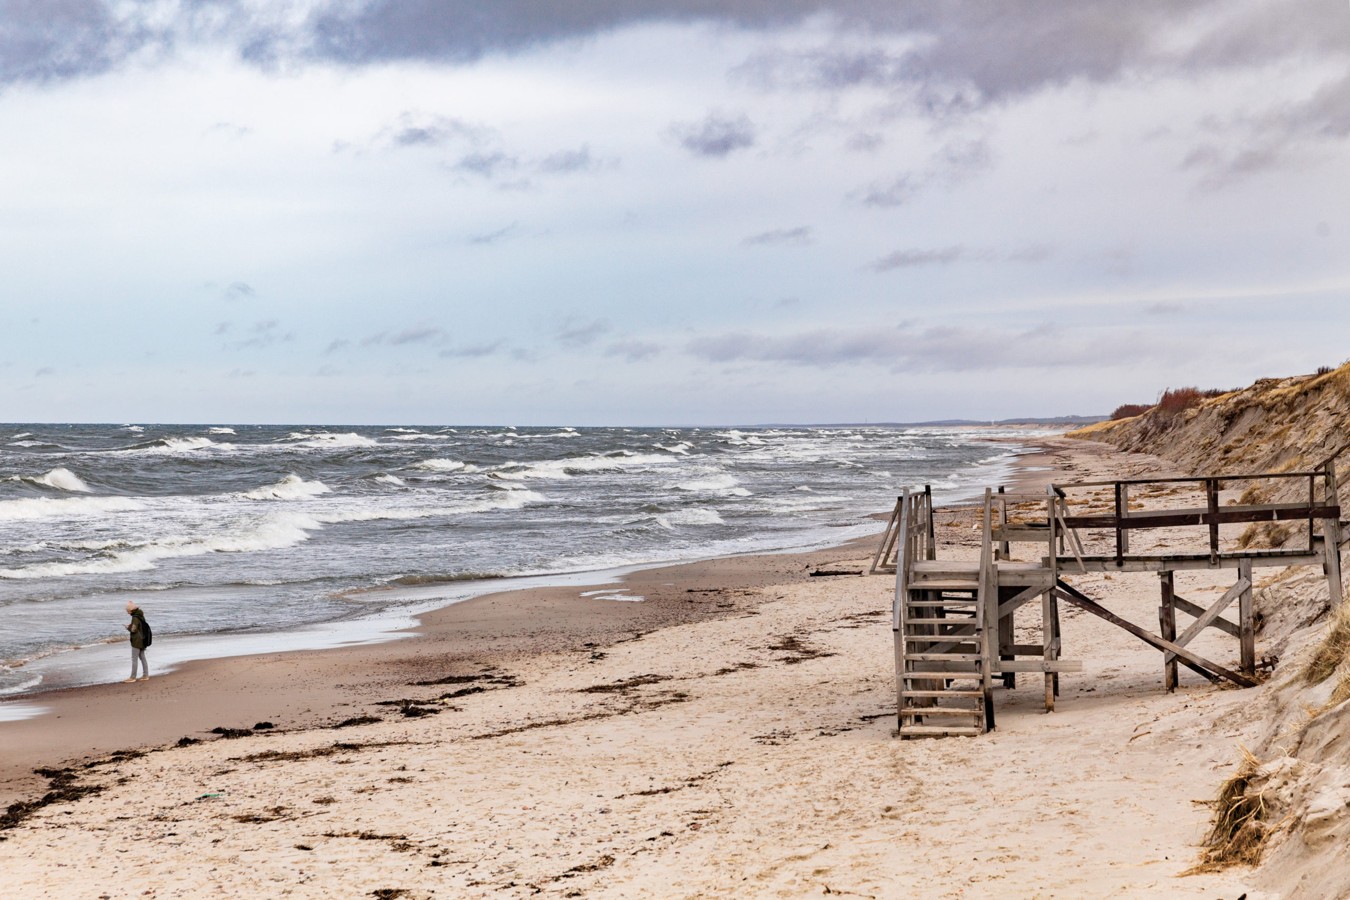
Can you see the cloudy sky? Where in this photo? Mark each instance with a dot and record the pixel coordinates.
(664, 211)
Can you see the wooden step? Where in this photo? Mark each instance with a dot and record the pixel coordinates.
(952, 621)
(954, 694)
(958, 639)
(942, 676)
(944, 657)
(939, 731)
(946, 601)
(913, 711)
(943, 584)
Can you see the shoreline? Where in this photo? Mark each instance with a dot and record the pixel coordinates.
(81, 722)
(748, 751)
(66, 724)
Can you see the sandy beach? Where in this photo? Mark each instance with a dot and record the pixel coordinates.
(731, 735)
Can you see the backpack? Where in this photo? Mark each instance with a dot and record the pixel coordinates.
(145, 631)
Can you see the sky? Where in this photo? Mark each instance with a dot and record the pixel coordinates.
(665, 212)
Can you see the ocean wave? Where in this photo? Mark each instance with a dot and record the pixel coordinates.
(494, 502)
(741, 439)
(391, 479)
(270, 533)
(435, 578)
(60, 478)
(292, 487)
(404, 434)
(66, 508)
(716, 484)
(443, 465)
(220, 429)
(679, 517)
(328, 440)
(680, 449)
(170, 445)
(581, 465)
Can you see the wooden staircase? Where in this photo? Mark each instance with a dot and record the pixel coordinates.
(944, 683)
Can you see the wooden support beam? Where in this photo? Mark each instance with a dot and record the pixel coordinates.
(1041, 665)
(1187, 658)
(1167, 619)
(1209, 615)
(882, 559)
(1008, 607)
(1196, 610)
(1246, 623)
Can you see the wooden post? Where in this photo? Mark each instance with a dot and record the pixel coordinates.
(1006, 638)
(1212, 495)
(931, 528)
(1125, 514)
(1331, 538)
(1004, 551)
(1246, 623)
(898, 610)
(1167, 619)
(1120, 529)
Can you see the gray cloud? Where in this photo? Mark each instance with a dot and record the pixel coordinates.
(568, 161)
(239, 290)
(908, 259)
(420, 334)
(472, 351)
(910, 349)
(487, 164)
(716, 136)
(965, 52)
(580, 333)
(423, 130)
(895, 193)
(492, 237)
(263, 333)
(793, 237)
(633, 350)
(66, 39)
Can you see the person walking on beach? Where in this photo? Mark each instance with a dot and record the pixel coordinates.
(140, 639)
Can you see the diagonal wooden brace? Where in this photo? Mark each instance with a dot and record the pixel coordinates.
(1208, 616)
(1187, 658)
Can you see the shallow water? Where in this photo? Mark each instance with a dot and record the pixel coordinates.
(263, 529)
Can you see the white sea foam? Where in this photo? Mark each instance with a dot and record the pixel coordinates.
(613, 594)
(269, 533)
(715, 484)
(60, 478)
(498, 500)
(443, 465)
(220, 430)
(391, 479)
(172, 445)
(136, 429)
(327, 440)
(21, 435)
(679, 517)
(292, 487)
(38, 508)
(566, 468)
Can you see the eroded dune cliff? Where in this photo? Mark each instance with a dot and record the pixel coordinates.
(1287, 808)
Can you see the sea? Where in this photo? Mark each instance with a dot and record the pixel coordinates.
(246, 538)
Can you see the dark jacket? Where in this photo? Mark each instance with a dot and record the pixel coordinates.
(137, 628)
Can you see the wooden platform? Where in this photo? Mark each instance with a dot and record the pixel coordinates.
(953, 619)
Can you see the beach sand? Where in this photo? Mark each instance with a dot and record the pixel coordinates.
(731, 735)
